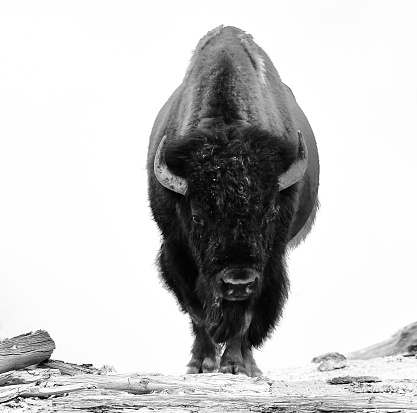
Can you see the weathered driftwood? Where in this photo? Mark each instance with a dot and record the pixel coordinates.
(69, 369)
(65, 387)
(403, 342)
(27, 376)
(235, 403)
(203, 393)
(25, 350)
(137, 383)
(28, 390)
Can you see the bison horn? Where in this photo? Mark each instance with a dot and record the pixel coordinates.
(164, 175)
(296, 171)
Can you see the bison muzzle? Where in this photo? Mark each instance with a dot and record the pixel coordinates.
(238, 283)
(233, 180)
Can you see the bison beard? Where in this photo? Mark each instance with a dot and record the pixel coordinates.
(226, 319)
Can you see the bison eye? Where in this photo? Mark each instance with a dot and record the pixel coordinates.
(272, 214)
(197, 219)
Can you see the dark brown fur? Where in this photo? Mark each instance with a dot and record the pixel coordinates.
(233, 218)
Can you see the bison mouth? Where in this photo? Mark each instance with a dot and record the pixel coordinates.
(237, 298)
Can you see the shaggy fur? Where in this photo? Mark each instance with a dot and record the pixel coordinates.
(231, 131)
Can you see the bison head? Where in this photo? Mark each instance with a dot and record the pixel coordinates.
(233, 210)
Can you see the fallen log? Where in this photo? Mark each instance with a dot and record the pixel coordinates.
(25, 350)
(216, 403)
(27, 376)
(140, 383)
(70, 369)
(28, 390)
(206, 393)
(403, 342)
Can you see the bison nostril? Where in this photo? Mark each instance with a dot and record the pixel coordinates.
(235, 288)
(251, 285)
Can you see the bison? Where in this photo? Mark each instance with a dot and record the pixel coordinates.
(233, 180)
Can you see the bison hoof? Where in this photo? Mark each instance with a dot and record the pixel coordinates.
(234, 368)
(248, 369)
(255, 371)
(205, 365)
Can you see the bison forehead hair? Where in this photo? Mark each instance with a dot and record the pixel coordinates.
(231, 170)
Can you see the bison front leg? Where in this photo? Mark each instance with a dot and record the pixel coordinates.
(205, 354)
(232, 359)
(249, 361)
(238, 359)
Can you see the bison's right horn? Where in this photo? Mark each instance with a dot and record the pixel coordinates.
(296, 171)
(164, 175)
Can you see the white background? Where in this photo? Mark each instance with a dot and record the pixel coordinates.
(81, 83)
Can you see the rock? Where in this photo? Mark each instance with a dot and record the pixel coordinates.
(353, 379)
(329, 356)
(328, 365)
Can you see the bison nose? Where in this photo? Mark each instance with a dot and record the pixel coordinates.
(238, 285)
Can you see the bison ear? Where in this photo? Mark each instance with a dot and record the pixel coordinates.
(297, 169)
(163, 174)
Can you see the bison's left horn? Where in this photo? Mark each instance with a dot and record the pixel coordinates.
(164, 175)
(297, 169)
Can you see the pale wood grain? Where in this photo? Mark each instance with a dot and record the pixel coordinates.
(402, 342)
(25, 350)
